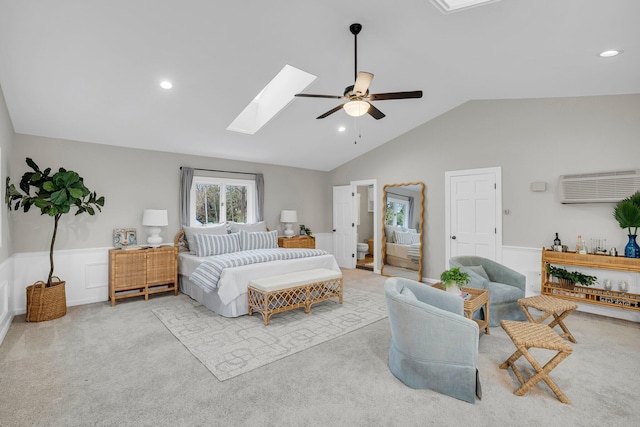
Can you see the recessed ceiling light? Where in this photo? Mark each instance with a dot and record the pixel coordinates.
(342, 129)
(166, 84)
(610, 53)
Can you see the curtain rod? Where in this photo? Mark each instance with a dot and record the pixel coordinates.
(217, 170)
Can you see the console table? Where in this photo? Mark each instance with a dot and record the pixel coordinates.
(614, 299)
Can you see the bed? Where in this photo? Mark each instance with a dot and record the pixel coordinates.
(405, 256)
(402, 248)
(228, 297)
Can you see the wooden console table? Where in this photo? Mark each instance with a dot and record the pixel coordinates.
(591, 295)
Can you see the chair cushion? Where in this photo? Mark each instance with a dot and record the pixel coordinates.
(499, 293)
(478, 269)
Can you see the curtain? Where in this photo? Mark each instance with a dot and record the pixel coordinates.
(259, 197)
(186, 178)
(410, 213)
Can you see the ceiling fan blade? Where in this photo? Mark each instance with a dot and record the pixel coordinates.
(362, 83)
(395, 95)
(328, 113)
(310, 95)
(375, 113)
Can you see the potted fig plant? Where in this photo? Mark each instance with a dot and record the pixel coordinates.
(627, 213)
(454, 279)
(55, 195)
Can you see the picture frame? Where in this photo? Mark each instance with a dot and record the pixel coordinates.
(124, 237)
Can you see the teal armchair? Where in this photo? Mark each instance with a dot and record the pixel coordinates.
(433, 345)
(506, 286)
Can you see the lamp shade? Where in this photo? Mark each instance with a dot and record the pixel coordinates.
(155, 218)
(356, 108)
(288, 216)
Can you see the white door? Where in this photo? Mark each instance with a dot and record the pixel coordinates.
(473, 223)
(344, 228)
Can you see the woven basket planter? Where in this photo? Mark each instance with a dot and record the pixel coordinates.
(566, 284)
(46, 303)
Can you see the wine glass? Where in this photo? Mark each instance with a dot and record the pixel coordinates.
(606, 283)
(623, 286)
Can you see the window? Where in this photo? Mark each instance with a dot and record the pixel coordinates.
(396, 212)
(218, 200)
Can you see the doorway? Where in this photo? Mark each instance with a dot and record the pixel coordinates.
(354, 223)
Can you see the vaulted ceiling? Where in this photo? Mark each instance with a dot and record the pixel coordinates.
(90, 70)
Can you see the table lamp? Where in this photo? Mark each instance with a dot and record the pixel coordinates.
(154, 219)
(288, 217)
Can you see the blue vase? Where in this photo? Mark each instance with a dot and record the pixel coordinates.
(632, 250)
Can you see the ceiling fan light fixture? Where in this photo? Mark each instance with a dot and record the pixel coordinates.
(356, 108)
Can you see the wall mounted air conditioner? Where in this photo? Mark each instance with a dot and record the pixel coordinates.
(605, 187)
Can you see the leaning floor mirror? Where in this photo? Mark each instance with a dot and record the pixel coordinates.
(402, 230)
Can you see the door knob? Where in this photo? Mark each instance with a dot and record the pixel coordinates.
(453, 237)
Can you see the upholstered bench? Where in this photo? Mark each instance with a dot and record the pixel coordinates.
(275, 294)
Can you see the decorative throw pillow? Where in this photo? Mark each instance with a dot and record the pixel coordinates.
(235, 227)
(478, 269)
(407, 293)
(412, 230)
(210, 244)
(406, 238)
(390, 229)
(258, 240)
(189, 233)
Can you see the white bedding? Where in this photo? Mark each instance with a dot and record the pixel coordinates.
(231, 297)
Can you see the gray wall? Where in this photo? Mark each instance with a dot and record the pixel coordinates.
(532, 140)
(132, 180)
(6, 148)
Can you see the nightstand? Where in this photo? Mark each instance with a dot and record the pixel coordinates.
(305, 242)
(141, 272)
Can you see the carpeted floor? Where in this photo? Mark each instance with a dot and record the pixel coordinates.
(119, 366)
(233, 346)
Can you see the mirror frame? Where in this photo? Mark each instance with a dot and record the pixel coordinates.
(420, 231)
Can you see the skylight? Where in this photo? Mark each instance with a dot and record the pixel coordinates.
(449, 6)
(271, 100)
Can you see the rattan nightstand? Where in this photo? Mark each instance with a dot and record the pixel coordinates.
(297, 242)
(147, 271)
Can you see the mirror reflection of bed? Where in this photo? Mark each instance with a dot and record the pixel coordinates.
(402, 221)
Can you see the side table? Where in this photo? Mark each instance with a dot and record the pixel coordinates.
(479, 298)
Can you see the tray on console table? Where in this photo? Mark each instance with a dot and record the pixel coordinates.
(590, 295)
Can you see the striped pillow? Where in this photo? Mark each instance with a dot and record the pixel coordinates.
(258, 240)
(210, 244)
(406, 238)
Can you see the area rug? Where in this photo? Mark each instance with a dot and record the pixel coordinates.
(229, 347)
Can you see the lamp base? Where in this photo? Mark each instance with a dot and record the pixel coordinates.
(288, 230)
(154, 238)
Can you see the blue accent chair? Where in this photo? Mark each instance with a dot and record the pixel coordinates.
(433, 346)
(506, 286)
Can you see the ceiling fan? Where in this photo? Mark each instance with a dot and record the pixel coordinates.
(358, 96)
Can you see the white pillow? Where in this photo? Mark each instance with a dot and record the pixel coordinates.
(211, 244)
(235, 227)
(258, 240)
(406, 238)
(390, 229)
(189, 232)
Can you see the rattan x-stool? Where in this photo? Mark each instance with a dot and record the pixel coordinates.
(534, 335)
(557, 307)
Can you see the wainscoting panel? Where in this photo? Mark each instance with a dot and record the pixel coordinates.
(6, 312)
(85, 272)
(324, 241)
